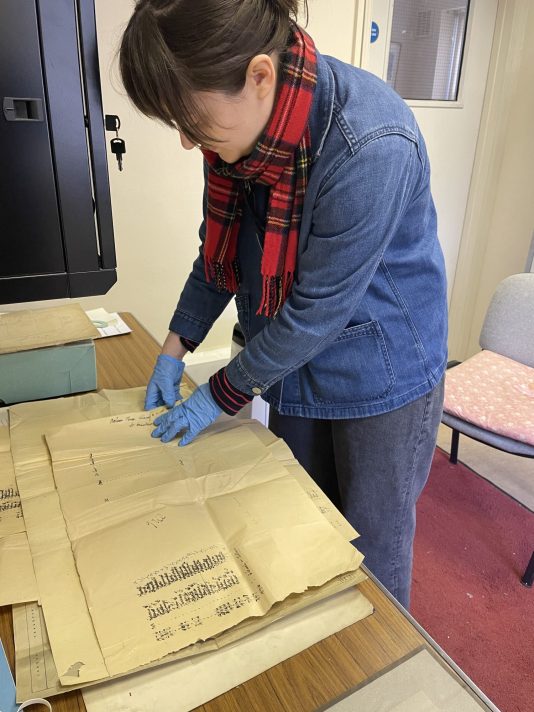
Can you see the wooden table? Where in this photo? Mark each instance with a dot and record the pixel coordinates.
(315, 676)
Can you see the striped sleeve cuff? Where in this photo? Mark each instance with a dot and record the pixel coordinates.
(229, 398)
(189, 345)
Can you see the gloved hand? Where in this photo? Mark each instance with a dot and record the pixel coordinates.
(164, 386)
(191, 416)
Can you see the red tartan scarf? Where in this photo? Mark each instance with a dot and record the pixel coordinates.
(281, 159)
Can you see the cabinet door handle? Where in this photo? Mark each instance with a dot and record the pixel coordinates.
(23, 109)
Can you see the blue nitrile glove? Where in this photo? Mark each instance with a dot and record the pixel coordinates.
(164, 386)
(192, 416)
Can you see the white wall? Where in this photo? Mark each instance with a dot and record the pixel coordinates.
(156, 199)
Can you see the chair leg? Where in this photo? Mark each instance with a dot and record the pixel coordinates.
(528, 576)
(454, 447)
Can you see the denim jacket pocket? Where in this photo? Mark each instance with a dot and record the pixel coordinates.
(242, 303)
(354, 369)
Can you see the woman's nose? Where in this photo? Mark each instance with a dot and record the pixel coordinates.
(186, 143)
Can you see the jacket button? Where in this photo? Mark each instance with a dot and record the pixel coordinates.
(256, 391)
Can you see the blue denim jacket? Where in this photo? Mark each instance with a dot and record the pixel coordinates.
(364, 330)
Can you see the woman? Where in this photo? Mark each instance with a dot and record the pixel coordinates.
(318, 217)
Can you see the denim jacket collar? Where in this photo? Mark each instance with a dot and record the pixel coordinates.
(322, 107)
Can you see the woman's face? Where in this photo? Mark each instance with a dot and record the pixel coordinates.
(238, 120)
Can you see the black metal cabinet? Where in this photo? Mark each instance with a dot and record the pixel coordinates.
(56, 232)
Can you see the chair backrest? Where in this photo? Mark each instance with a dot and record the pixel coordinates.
(508, 328)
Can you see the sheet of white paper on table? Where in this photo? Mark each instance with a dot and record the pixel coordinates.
(420, 683)
(108, 324)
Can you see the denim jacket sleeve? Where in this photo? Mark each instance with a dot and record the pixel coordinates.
(200, 303)
(356, 214)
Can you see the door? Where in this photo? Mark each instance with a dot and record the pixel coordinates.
(436, 54)
(30, 229)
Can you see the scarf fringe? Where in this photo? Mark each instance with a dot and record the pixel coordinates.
(275, 291)
(225, 277)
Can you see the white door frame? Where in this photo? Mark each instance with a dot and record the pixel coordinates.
(362, 29)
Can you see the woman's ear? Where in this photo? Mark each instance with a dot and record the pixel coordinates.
(262, 74)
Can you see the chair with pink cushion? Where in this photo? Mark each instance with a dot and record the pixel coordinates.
(490, 396)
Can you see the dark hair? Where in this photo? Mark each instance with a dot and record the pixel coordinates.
(172, 48)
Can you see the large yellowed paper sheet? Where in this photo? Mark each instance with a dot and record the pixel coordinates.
(35, 461)
(17, 578)
(11, 519)
(190, 683)
(77, 653)
(281, 452)
(32, 420)
(53, 561)
(28, 423)
(273, 641)
(196, 573)
(232, 536)
(36, 328)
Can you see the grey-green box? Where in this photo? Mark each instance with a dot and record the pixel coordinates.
(47, 372)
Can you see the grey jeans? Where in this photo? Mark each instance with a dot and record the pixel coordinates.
(374, 470)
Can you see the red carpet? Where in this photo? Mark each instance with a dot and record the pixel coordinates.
(472, 545)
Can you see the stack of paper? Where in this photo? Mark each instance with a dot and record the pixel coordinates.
(145, 552)
(27, 329)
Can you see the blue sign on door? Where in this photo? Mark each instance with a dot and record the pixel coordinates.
(375, 31)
